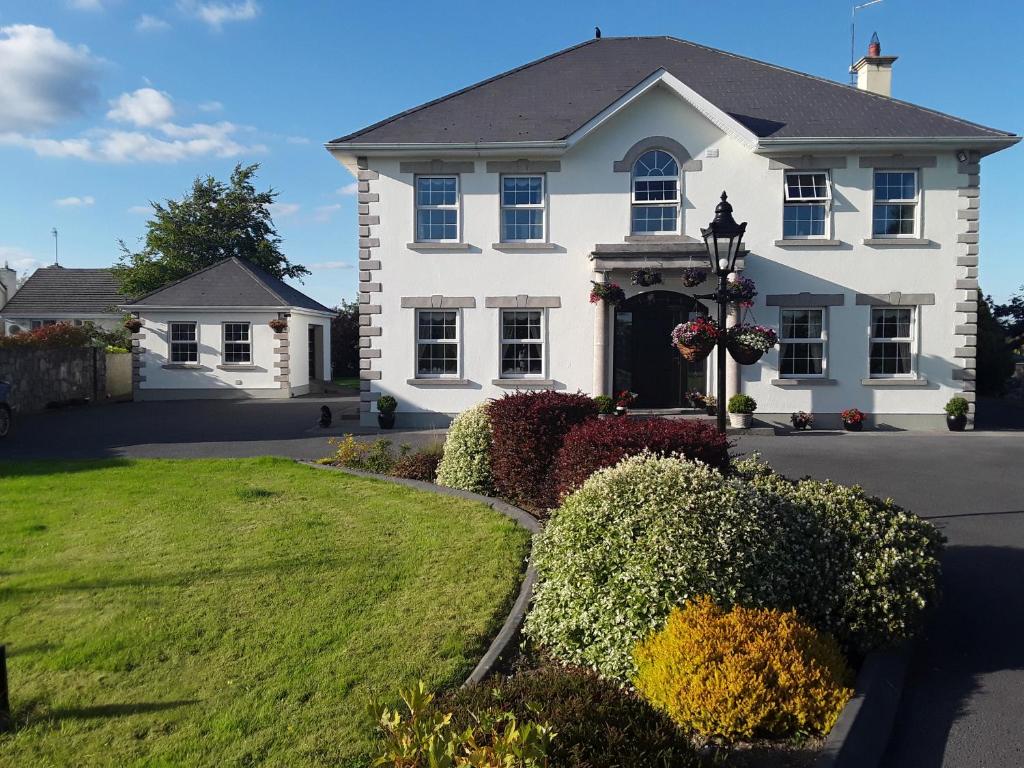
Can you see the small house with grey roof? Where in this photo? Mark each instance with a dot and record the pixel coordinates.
(486, 214)
(231, 330)
(57, 294)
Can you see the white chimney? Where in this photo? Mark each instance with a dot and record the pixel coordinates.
(8, 284)
(874, 71)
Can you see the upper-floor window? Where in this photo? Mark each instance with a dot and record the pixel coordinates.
(184, 342)
(805, 210)
(437, 343)
(237, 344)
(892, 342)
(522, 208)
(896, 204)
(655, 193)
(437, 209)
(802, 342)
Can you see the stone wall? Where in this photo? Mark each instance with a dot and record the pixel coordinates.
(39, 377)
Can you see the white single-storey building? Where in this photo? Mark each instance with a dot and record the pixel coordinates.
(485, 215)
(212, 335)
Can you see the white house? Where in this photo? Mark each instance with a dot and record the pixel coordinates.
(210, 335)
(57, 294)
(484, 215)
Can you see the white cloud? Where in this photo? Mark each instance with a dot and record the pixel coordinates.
(284, 209)
(297, 140)
(325, 212)
(86, 5)
(217, 13)
(324, 265)
(149, 23)
(19, 259)
(75, 202)
(143, 107)
(140, 209)
(43, 79)
(348, 189)
(211, 106)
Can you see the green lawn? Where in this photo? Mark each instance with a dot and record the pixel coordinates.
(351, 382)
(235, 612)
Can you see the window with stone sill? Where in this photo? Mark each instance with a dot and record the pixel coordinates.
(184, 343)
(522, 209)
(807, 197)
(437, 209)
(655, 194)
(897, 204)
(522, 343)
(437, 343)
(892, 342)
(802, 343)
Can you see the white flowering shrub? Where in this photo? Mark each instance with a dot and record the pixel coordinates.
(466, 463)
(651, 533)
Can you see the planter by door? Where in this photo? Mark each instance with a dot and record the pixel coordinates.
(853, 426)
(956, 423)
(741, 420)
(744, 355)
(386, 420)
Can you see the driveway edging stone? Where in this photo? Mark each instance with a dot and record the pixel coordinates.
(513, 622)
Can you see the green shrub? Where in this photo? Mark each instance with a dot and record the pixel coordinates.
(605, 405)
(958, 406)
(420, 465)
(466, 463)
(112, 350)
(48, 336)
(651, 533)
(386, 404)
(598, 724)
(369, 457)
(743, 673)
(419, 736)
(740, 403)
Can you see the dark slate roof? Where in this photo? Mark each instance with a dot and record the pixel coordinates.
(549, 99)
(59, 290)
(232, 282)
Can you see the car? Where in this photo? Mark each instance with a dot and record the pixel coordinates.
(5, 409)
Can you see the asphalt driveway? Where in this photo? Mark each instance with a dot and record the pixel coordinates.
(964, 699)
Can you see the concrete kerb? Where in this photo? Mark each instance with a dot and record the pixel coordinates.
(861, 734)
(509, 631)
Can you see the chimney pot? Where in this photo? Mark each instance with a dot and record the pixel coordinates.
(874, 71)
(874, 47)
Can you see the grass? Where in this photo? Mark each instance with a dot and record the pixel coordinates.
(351, 382)
(232, 612)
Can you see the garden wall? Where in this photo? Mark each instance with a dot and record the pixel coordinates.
(39, 377)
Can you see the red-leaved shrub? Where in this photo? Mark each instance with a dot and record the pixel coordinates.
(603, 443)
(54, 335)
(526, 433)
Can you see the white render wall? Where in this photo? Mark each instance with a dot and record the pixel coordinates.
(588, 203)
(298, 333)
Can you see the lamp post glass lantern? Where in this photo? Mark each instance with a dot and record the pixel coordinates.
(723, 241)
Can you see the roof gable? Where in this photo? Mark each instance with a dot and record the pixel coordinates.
(57, 290)
(550, 99)
(232, 282)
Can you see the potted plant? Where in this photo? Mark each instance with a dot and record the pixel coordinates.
(279, 325)
(711, 405)
(746, 343)
(692, 276)
(386, 406)
(605, 405)
(741, 410)
(695, 399)
(741, 290)
(133, 324)
(623, 401)
(695, 338)
(802, 420)
(645, 277)
(853, 419)
(956, 414)
(609, 293)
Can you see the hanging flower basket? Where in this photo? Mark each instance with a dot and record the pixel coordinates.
(692, 277)
(278, 325)
(133, 324)
(645, 277)
(747, 343)
(695, 339)
(741, 290)
(609, 293)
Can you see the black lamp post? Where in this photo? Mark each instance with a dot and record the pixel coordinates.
(723, 239)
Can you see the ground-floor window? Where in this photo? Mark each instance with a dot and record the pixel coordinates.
(237, 343)
(183, 342)
(802, 341)
(892, 342)
(522, 343)
(437, 343)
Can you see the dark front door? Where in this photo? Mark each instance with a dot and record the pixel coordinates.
(645, 361)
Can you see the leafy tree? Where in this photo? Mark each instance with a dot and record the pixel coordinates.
(212, 222)
(995, 352)
(345, 339)
(1011, 317)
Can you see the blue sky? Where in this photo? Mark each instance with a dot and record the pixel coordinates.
(107, 104)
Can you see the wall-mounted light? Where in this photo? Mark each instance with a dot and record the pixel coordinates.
(961, 155)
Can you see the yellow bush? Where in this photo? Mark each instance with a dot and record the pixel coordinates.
(743, 673)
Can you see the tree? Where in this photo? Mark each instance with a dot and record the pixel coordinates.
(1011, 317)
(995, 352)
(212, 222)
(345, 339)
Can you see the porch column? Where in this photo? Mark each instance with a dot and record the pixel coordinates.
(732, 368)
(600, 343)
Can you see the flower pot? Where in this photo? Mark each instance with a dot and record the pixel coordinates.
(693, 354)
(853, 426)
(712, 410)
(744, 355)
(956, 423)
(741, 420)
(386, 420)
(620, 411)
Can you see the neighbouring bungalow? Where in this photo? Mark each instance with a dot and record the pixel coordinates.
(57, 294)
(231, 330)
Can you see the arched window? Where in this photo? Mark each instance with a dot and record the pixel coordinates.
(655, 193)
